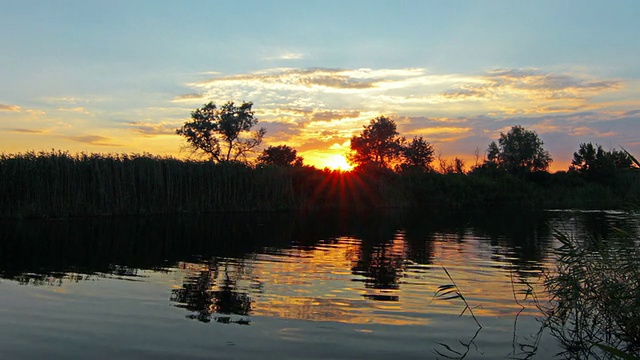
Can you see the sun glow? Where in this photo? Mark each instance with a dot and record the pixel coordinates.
(338, 162)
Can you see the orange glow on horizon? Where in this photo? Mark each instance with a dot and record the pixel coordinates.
(337, 162)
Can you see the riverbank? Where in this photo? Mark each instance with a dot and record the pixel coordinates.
(60, 185)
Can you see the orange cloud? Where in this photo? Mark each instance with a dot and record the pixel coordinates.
(92, 140)
(152, 129)
(27, 131)
(5, 107)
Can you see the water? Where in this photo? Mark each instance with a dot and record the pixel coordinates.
(281, 285)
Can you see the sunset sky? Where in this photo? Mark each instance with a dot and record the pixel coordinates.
(121, 76)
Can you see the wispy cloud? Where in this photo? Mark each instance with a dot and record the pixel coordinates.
(5, 107)
(189, 97)
(531, 91)
(77, 109)
(410, 91)
(291, 56)
(92, 140)
(152, 129)
(27, 131)
(530, 84)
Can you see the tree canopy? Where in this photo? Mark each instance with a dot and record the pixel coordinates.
(595, 163)
(281, 155)
(217, 132)
(418, 154)
(519, 151)
(379, 143)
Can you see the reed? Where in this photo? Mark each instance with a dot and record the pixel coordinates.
(59, 184)
(595, 308)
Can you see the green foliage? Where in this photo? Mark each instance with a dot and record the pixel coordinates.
(217, 132)
(281, 155)
(519, 151)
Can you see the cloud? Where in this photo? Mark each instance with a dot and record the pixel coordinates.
(310, 87)
(545, 92)
(27, 131)
(78, 109)
(326, 115)
(295, 78)
(5, 107)
(409, 91)
(92, 140)
(291, 56)
(189, 97)
(152, 129)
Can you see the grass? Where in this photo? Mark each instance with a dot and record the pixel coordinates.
(58, 184)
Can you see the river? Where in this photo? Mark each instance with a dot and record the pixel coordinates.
(331, 285)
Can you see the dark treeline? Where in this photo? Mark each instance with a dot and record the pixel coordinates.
(57, 184)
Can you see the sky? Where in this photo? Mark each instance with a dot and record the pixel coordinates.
(121, 76)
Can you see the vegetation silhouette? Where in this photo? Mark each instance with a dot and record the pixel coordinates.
(594, 310)
(380, 145)
(519, 151)
(390, 172)
(596, 164)
(217, 132)
(281, 155)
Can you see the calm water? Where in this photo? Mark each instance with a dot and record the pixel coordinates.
(279, 285)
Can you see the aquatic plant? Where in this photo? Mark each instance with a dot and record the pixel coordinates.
(450, 292)
(595, 307)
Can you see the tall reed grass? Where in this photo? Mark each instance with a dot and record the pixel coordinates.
(59, 184)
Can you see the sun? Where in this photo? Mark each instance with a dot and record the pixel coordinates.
(338, 162)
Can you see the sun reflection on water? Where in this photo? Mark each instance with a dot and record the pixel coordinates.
(352, 281)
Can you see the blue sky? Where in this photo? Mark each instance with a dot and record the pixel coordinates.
(121, 76)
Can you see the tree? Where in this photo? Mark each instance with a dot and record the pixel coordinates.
(281, 155)
(379, 144)
(217, 131)
(417, 154)
(519, 151)
(595, 163)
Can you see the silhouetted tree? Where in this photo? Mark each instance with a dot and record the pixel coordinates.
(595, 163)
(519, 151)
(217, 131)
(417, 154)
(281, 155)
(379, 144)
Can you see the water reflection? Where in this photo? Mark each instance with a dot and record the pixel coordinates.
(209, 292)
(356, 267)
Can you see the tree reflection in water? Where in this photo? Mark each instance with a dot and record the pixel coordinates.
(209, 292)
(381, 266)
(381, 257)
